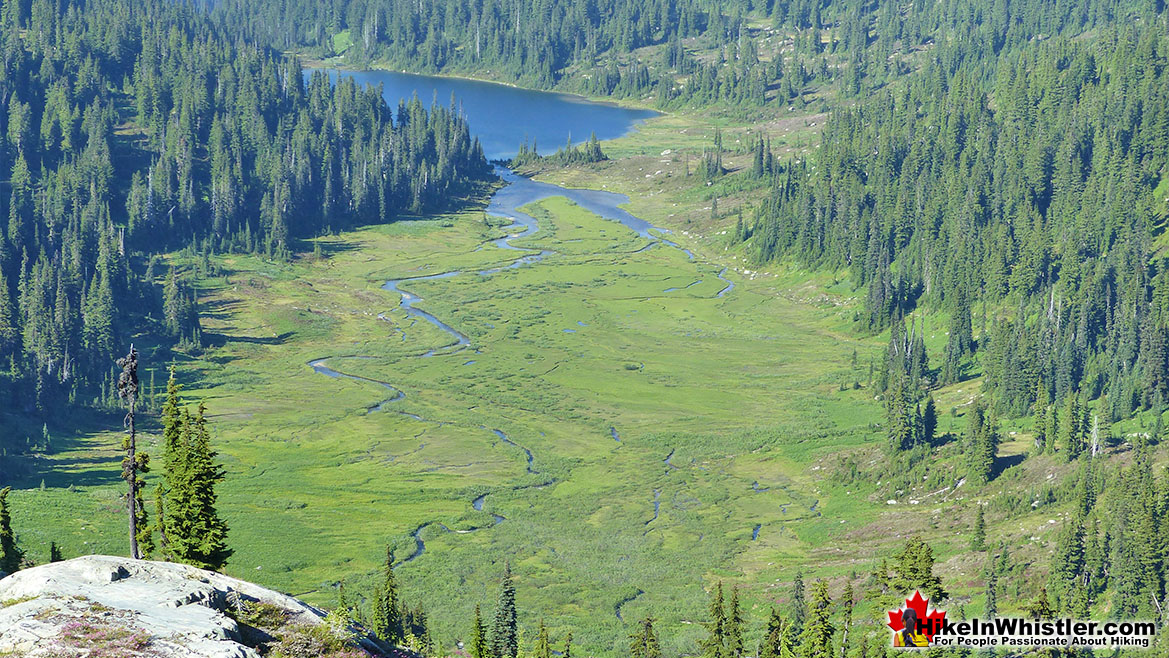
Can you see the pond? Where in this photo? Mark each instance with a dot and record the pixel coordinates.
(502, 116)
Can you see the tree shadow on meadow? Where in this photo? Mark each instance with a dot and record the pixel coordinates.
(211, 339)
(84, 450)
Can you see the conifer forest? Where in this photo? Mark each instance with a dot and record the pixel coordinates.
(611, 328)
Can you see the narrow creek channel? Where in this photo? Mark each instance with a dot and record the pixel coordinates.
(505, 203)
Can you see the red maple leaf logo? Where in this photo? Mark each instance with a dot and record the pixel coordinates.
(931, 619)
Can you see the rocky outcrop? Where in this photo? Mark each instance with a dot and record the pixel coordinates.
(139, 607)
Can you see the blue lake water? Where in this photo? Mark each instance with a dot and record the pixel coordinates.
(502, 116)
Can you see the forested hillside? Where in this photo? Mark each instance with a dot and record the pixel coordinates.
(1024, 193)
(704, 51)
(988, 178)
(134, 128)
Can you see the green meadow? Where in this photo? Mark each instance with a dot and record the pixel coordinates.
(740, 392)
(738, 417)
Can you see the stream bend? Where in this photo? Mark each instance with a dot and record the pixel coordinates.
(505, 203)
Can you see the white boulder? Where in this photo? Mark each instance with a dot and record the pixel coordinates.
(156, 608)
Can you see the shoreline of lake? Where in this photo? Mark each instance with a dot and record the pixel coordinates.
(504, 117)
(623, 103)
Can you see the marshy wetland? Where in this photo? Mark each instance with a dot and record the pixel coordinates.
(546, 379)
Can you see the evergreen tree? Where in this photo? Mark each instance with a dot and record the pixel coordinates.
(816, 640)
(879, 580)
(543, 644)
(978, 536)
(210, 549)
(798, 608)
(174, 462)
(1095, 576)
(10, 555)
(504, 635)
(715, 643)
(643, 642)
(734, 627)
(9, 328)
(1040, 608)
(1072, 431)
(344, 606)
(929, 422)
(982, 440)
(160, 520)
(899, 415)
(848, 601)
(385, 617)
(191, 529)
(1041, 411)
(778, 642)
(915, 570)
(172, 306)
(1051, 428)
(1068, 566)
(479, 648)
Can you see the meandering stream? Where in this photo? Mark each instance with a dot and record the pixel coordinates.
(506, 203)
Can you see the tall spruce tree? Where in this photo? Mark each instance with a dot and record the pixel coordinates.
(929, 422)
(714, 645)
(504, 632)
(734, 628)
(778, 641)
(1050, 428)
(899, 414)
(978, 535)
(543, 643)
(982, 440)
(10, 553)
(191, 528)
(1040, 415)
(1072, 429)
(798, 606)
(385, 615)
(174, 460)
(210, 548)
(1040, 607)
(479, 648)
(848, 602)
(643, 642)
(1068, 566)
(816, 640)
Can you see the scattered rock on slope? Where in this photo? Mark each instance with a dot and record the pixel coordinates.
(124, 607)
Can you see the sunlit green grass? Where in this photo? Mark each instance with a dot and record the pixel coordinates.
(741, 389)
(752, 394)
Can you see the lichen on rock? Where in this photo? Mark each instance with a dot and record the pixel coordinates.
(122, 607)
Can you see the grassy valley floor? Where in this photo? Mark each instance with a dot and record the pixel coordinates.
(677, 437)
(597, 342)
